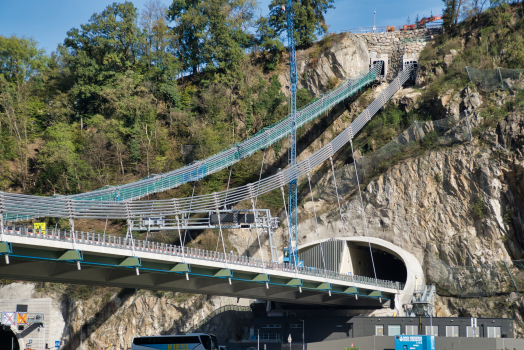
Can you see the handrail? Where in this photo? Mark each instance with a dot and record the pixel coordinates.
(162, 249)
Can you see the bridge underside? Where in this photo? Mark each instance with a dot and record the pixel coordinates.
(200, 281)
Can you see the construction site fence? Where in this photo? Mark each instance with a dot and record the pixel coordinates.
(496, 79)
(385, 29)
(484, 280)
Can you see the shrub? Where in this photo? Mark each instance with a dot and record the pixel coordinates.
(478, 210)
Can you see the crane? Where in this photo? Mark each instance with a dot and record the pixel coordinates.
(291, 252)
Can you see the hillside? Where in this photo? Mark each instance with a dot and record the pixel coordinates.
(455, 202)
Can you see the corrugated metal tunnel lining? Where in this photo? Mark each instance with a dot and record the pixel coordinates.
(354, 258)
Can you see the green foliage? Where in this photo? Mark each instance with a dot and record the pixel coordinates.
(478, 209)
(109, 44)
(210, 33)
(270, 43)
(308, 18)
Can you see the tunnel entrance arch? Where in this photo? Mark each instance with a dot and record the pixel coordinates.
(414, 274)
(8, 338)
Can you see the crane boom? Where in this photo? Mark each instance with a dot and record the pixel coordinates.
(293, 251)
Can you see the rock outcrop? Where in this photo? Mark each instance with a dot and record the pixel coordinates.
(320, 71)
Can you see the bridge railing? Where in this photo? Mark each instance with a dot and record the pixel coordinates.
(119, 242)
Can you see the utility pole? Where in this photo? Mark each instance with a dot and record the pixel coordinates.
(293, 137)
(374, 17)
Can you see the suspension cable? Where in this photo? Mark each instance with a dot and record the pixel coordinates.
(254, 203)
(260, 176)
(227, 190)
(316, 225)
(339, 207)
(288, 224)
(363, 212)
(189, 213)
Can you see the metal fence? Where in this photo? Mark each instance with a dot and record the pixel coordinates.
(226, 308)
(484, 280)
(443, 132)
(497, 79)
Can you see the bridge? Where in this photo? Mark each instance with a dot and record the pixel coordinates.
(98, 259)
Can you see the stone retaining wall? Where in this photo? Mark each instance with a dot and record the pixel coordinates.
(397, 47)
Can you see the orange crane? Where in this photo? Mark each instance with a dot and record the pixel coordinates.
(421, 23)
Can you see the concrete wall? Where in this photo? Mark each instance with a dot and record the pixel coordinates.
(22, 294)
(415, 274)
(38, 334)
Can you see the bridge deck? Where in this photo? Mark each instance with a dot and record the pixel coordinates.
(113, 261)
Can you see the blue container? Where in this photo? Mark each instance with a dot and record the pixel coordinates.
(415, 342)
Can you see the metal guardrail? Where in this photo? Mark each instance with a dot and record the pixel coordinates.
(18, 207)
(162, 249)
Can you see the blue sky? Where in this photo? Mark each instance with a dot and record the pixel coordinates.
(48, 21)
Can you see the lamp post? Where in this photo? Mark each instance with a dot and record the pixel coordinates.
(289, 341)
(258, 340)
(303, 338)
(374, 16)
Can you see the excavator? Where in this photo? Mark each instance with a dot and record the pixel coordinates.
(421, 23)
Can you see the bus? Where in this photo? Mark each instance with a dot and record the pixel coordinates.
(194, 341)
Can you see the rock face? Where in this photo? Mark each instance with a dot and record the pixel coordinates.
(425, 205)
(511, 132)
(346, 58)
(126, 315)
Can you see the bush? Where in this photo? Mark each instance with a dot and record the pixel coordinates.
(478, 210)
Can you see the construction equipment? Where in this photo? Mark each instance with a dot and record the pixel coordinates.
(421, 23)
(292, 250)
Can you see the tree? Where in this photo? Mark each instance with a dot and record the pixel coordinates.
(211, 33)
(452, 12)
(110, 43)
(308, 16)
(190, 24)
(269, 42)
(21, 65)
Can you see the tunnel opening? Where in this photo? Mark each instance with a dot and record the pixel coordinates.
(388, 266)
(8, 338)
